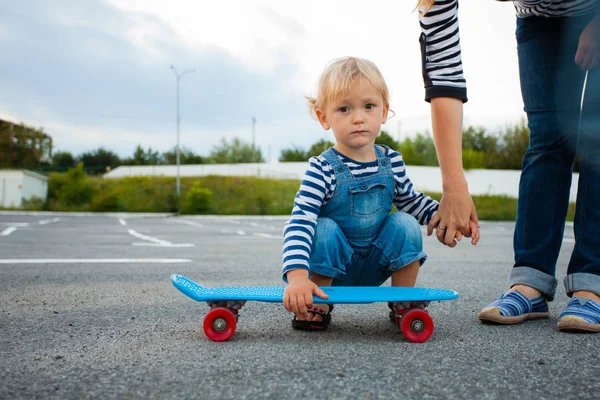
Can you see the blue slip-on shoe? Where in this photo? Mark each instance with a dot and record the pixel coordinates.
(580, 315)
(514, 307)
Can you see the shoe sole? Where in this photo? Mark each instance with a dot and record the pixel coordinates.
(571, 323)
(492, 315)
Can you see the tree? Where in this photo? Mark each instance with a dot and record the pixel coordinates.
(186, 156)
(143, 157)
(319, 147)
(513, 145)
(293, 154)
(63, 160)
(235, 152)
(386, 139)
(99, 160)
(419, 150)
(477, 140)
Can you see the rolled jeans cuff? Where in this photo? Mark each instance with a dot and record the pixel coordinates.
(536, 279)
(582, 281)
(407, 259)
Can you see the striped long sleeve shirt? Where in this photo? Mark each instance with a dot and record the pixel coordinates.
(440, 40)
(317, 187)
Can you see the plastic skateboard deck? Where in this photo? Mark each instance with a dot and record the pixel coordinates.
(225, 302)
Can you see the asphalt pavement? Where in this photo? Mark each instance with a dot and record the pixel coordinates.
(87, 310)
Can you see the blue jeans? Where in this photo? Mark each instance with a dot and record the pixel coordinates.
(551, 85)
(398, 244)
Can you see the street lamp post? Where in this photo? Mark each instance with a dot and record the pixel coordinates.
(179, 76)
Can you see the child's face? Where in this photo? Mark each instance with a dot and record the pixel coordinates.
(355, 118)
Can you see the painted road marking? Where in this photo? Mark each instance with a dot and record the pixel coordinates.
(95, 261)
(122, 222)
(8, 231)
(17, 224)
(155, 241)
(184, 221)
(48, 221)
(267, 236)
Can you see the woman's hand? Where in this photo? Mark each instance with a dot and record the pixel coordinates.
(455, 218)
(587, 50)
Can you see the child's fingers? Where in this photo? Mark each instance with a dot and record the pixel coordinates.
(459, 236)
(319, 292)
(294, 305)
(435, 220)
(302, 304)
(286, 301)
(308, 301)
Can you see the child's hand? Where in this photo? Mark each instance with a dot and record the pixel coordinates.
(442, 234)
(475, 234)
(298, 295)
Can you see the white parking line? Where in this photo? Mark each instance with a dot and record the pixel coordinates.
(95, 261)
(17, 224)
(267, 236)
(122, 222)
(155, 241)
(184, 221)
(8, 231)
(241, 233)
(168, 244)
(48, 221)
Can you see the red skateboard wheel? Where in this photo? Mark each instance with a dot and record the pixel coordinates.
(416, 325)
(219, 324)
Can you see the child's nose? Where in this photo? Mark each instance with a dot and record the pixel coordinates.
(359, 118)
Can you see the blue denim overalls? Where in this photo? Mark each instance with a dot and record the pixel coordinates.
(357, 241)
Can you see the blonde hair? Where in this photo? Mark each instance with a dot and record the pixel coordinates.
(426, 5)
(340, 75)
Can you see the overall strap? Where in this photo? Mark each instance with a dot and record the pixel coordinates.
(383, 161)
(341, 171)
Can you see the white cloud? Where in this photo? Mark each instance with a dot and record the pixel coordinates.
(277, 46)
(266, 33)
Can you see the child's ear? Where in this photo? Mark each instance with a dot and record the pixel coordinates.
(386, 110)
(322, 119)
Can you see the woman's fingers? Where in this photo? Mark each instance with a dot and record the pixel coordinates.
(476, 232)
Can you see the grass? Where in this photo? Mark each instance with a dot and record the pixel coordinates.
(230, 196)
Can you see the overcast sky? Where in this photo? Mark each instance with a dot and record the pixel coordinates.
(96, 72)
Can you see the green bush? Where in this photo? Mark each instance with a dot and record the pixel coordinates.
(473, 159)
(230, 195)
(198, 200)
(108, 201)
(72, 190)
(33, 204)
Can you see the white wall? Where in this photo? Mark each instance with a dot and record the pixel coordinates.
(481, 181)
(11, 181)
(34, 185)
(17, 185)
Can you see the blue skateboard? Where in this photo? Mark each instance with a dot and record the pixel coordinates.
(225, 303)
